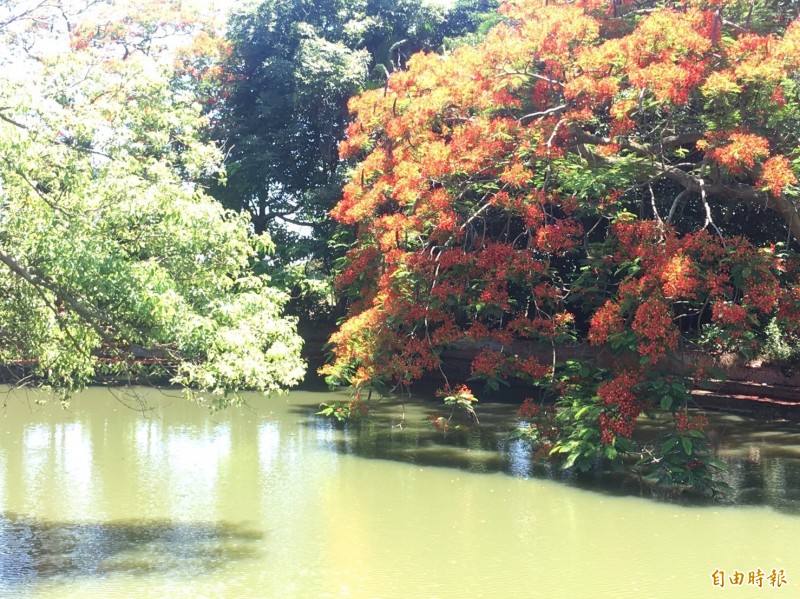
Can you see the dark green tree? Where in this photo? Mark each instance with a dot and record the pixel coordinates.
(468, 21)
(292, 68)
(285, 113)
(295, 64)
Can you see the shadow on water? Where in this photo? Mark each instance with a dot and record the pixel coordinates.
(34, 550)
(763, 457)
(405, 434)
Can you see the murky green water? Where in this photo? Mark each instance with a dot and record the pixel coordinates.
(268, 501)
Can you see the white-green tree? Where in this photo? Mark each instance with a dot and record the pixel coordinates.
(111, 254)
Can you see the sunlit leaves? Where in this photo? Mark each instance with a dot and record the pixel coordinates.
(113, 255)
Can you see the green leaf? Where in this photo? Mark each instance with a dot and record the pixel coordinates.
(687, 445)
(570, 462)
(719, 464)
(669, 444)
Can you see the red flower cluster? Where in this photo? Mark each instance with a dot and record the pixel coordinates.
(606, 321)
(636, 238)
(531, 367)
(728, 313)
(776, 175)
(652, 322)
(489, 363)
(529, 409)
(624, 406)
(559, 237)
(439, 422)
(763, 296)
(684, 423)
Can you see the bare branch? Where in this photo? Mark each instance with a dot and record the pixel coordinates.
(645, 151)
(691, 182)
(709, 219)
(543, 113)
(653, 204)
(675, 203)
(8, 119)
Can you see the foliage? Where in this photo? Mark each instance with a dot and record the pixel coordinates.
(281, 111)
(112, 254)
(593, 420)
(616, 173)
(469, 21)
(779, 346)
(460, 398)
(293, 64)
(345, 411)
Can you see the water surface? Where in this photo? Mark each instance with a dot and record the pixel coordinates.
(102, 500)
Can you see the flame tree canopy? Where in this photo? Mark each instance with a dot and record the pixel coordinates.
(111, 255)
(618, 172)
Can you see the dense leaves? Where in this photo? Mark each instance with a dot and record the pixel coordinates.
(293, 66)
(112, 255)
(621, 173)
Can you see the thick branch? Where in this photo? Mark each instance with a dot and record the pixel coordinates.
(9, 120)
(654, 150)
(692, 183)
(743, 193)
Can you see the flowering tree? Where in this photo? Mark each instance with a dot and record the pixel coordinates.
(111, 254)
(621, 172)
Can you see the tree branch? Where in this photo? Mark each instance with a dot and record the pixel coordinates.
(8, 119)
(645, 151)
(38, 280)
(692, 183)
(534, 115)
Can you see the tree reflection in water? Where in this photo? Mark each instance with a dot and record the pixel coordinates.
(763, 457)
(32, 549)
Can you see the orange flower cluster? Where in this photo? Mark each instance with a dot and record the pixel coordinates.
(738, 151)
(637, 239)
(762, 295)
(679, 277)
(776, 175)
(605, 321)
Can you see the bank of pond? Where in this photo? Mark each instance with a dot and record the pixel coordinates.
(140, 493)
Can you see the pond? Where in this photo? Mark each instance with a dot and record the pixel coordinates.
(107, 500)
